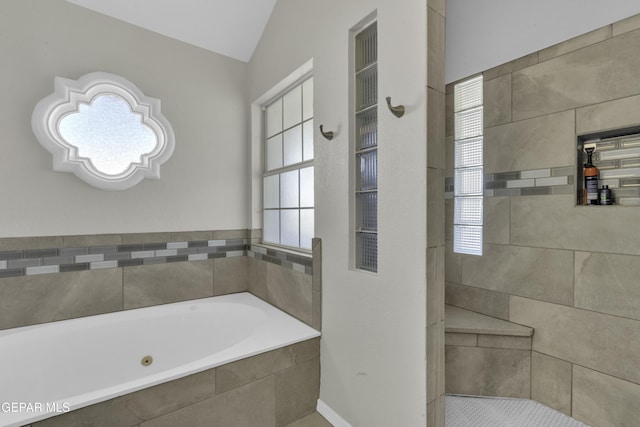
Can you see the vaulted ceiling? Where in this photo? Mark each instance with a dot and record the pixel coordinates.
(229, 27)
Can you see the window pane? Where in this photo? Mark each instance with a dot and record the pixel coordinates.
(467, 240)
(108, 133)
(468, 123)
(293, 146)
(306, 228)
(290, 235)
(468, 152)
(307, 138)
(306, 187)
(468, 211)
(272, 192)
(274, 152)
(271, 227)
(468, 94)
(307, 99)
(274, 118)
(289, 189)
(468, 182)
(292, 107)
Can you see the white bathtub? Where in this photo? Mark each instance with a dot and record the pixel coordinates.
(52, 368)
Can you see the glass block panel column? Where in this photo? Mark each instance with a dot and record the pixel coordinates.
(469, 171)
(366, 148)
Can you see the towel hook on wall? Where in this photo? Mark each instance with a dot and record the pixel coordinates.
(328, 134)
(398, 110)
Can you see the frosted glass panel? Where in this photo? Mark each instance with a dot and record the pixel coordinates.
(468, 123)
(271, 227)
(367, 251)
(272, 192)
(468, 152)
(307, 140)
(293, 146)
(306, 187)
(109, 134)
(290, 233)
(367, 88)
(468, 182)
(366, 44)
(367, 129)
(468, 94)
(468, 211)
(367, 211)
(368, 171)
(467, 240)
(288, 181)
(274, 152)
(307, 99)
(274, 118)
(289, 189)
(306, 228)
(292, 107)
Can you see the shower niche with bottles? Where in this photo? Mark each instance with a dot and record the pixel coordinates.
(608, 168)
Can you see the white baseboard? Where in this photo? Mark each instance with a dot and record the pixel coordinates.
(331, 415)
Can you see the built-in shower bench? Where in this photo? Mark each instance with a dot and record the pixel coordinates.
(486, 356)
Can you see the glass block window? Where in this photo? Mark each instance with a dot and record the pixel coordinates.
(468, 174)
(288, 198)
(366, 148)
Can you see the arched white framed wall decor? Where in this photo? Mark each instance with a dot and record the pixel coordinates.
(104, 129)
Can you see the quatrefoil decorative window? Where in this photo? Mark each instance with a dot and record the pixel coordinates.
(104, 129)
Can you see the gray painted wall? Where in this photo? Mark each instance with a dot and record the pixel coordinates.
(204, 184)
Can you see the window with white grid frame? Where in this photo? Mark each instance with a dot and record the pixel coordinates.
(468, 167)
(288, 198)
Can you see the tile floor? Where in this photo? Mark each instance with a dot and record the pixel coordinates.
(311, 420)
(474, 411)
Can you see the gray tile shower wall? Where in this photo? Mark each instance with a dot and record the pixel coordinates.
(55, 278)
(436, 164)
(568, 271)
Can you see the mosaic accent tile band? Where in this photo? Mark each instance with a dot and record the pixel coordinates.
(296, 262)
(31, 262)
(60, 260)
(524, 183)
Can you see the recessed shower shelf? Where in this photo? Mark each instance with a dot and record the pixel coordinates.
(616, 156)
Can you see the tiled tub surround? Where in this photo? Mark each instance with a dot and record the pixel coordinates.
(570, 272)
(62, 277)
(272, 389)
(182, 338)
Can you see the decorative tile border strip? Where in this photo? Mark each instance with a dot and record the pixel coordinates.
(300, 263)
(533, 182)
(60, 260)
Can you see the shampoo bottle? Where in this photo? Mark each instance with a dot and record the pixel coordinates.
(590, 179)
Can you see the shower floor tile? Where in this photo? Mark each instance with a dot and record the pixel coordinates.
(475, 411)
